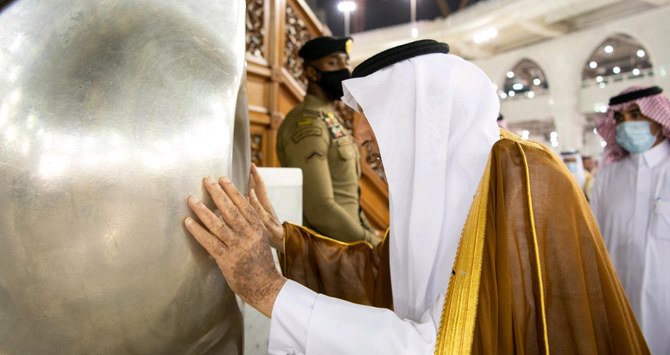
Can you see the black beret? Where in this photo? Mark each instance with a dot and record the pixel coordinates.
(320, 47)
(398, 54)
(634, 95)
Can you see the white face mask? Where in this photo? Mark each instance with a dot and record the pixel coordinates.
(572, 166)
(635, 137)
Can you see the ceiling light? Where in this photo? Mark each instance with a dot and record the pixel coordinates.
(530, 94)
(485, 35)
(517, 86)
(636, 71)
(510, 74)
(599, 79)
(641, 53)
(601, 85)
(616, 70)
(537, 81)
(415, 32)
(593, 64)
(608, 49)
(346, 6)
(511, 94)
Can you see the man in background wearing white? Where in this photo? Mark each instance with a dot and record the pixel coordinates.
(631, 202)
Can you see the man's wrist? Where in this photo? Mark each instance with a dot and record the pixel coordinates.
(266, 305)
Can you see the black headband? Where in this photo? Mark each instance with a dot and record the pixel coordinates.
(398, 54)
(634, 95)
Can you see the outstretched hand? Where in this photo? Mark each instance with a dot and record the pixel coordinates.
(237, 243)
(258, 197)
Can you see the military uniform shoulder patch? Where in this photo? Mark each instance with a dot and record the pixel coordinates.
(305, 122)
(305, 132)
(310, 113)
(334, 127)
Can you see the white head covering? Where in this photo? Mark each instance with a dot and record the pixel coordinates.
(579, 173)
(656, 107)
(434, 117)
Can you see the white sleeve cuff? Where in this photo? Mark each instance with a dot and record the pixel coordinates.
(290, 319)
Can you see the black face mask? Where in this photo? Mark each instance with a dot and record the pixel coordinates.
(331, 82)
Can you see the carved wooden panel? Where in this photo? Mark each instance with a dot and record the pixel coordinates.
(258, 91)
(346, 113)
(257, 151)
(255, 24)
(376, 164)
(297, 34)
(276, 30)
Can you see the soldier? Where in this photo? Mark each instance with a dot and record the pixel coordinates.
(313, 138)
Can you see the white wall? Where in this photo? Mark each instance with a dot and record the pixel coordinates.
(563, 59)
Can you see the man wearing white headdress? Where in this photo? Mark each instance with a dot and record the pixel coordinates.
(573, 160)
(631, 202)
(491, 247)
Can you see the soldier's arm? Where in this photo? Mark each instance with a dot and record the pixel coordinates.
(364, 221)
(308, 150)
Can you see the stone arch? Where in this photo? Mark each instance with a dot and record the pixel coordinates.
(526, 78)
(618, 57)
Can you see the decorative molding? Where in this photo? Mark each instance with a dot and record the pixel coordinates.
(276, 120)
(297, 34)
(292, 86)
(376, 164)
(255, 28)
(258, 109)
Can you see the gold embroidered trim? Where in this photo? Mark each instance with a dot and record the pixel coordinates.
(320, 236)
(459, 314)
(545, 330)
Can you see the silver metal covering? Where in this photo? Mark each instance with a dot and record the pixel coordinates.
(111, 112)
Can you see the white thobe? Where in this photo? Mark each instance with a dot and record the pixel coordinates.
(631, 202)
(304, 322)
(439, 139)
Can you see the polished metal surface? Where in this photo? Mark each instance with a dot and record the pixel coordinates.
(111, 112)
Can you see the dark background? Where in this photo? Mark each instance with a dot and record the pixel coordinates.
(374, 14)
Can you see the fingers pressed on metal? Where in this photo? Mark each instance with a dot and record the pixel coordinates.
(213, 223)
(229, 211)
(238, 199)
(212, 244)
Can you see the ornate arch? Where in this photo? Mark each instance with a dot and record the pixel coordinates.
(618, 56)
(525, 79)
